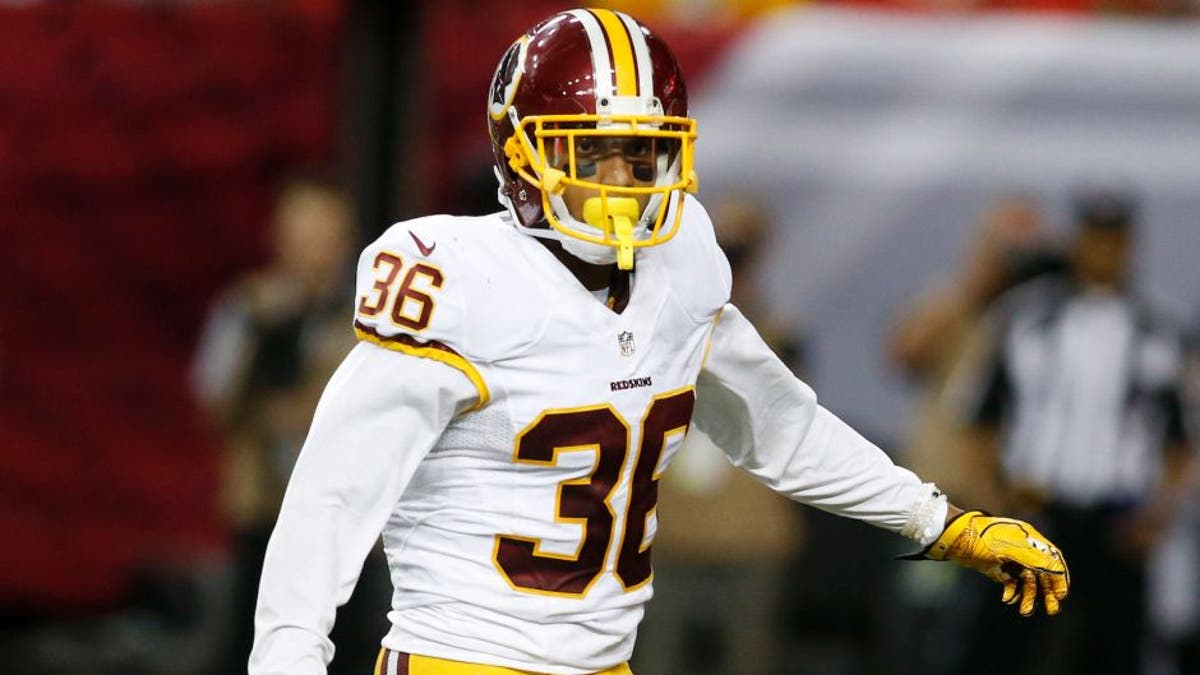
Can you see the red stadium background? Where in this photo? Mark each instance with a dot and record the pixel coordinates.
(139, 150)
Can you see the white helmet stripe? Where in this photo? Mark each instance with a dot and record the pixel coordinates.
(642, 53)
(601, 62)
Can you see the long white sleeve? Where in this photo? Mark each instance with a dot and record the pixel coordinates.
(769, 423)
(379, 416)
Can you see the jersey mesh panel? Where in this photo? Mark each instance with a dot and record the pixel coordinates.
(486, 428)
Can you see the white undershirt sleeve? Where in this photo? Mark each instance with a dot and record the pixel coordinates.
(769, 423)
(378, 417)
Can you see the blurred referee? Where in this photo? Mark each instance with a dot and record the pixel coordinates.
(1080, 424)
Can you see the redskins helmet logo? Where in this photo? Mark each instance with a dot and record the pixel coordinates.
(507, 77)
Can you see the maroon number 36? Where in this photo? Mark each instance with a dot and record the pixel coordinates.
(587, 500)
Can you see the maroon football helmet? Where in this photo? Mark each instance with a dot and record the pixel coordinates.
(581, 82)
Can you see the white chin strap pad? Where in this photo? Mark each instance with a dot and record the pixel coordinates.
(596, 254)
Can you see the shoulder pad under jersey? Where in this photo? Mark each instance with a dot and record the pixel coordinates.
(699, 272)
(450, 279)
(429, 287)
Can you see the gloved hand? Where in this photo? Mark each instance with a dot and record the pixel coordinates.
(1008, 551)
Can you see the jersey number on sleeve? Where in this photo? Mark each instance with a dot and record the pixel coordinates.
(586, 500)
(412, 307)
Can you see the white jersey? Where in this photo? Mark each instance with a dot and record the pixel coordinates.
(516, 488)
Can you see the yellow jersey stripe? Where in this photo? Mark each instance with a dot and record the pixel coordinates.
(436, 351)
(622, 51)
(708, 342)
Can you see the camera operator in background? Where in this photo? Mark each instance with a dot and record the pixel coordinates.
(271, 342)
(941, 341)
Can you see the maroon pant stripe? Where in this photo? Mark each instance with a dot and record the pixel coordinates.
(401, 663)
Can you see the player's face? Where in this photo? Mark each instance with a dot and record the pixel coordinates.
(619, 161)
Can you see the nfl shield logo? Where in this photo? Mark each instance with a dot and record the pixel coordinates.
(625, 339)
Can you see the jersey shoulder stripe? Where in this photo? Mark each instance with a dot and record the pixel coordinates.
(432, 349)
(412, 288)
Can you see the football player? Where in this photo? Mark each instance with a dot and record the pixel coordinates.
(524, 378)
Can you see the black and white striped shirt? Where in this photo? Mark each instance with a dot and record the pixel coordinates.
(1086, 387)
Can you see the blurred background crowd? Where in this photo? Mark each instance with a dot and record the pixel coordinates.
(972, 225)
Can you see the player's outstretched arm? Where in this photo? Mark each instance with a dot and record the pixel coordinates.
(1009, 551)
(771, 425)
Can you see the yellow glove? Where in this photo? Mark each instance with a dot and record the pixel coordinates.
(1010, 552)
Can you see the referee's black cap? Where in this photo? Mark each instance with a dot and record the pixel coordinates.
(1105, 209)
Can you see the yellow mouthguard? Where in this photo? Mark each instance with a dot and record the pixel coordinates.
(623, 212)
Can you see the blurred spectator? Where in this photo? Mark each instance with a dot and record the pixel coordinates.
(718, 583)
(270, 344)
(1081, 416)
(941, 342)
